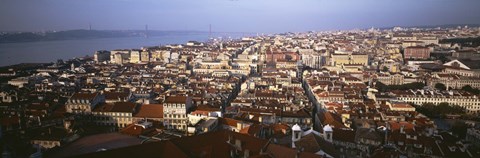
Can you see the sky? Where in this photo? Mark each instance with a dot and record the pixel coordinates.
(261, 16)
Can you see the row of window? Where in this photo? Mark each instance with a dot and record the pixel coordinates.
(175, 116)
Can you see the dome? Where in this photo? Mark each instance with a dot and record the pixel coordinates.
(296, 127)
(327, 128)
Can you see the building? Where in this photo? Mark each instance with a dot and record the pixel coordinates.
(404, 37)
(52, 137)
(463, 67)
(101, 56)
(454, 81)
(395, 79)
(80, 103)
(428, 40)
(217, 144)
(313, 60)
(119, 56)
(466, 54)
(117, 114)
(150, 112)
(145, 56)
(135, 56)
(351, 58)
(470, 102)
(18, 82)
(417, 52)
(112, 97)
(175, 110)
(473, 135)
(314, 142)
(400, 107)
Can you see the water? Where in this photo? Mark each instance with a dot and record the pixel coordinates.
(50, 51)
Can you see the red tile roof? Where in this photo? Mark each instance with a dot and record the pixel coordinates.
(150, 111)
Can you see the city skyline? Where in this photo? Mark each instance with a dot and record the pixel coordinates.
(266, 16)
(240, 78)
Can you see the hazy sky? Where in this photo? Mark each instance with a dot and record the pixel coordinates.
(232, 15)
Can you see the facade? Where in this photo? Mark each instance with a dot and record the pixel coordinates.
(313, 60)
(401, 107)
(454, 81)
(404, 38)
(428, 40)
(470, 102)
(112, 97)
(18, 82)
(175, 110)
(465, 54)
(395, 79)
(151, 112)
(119, 56)
(101, 56)
(81, 103)
(417, 52)
(117, 114)
(463, 67)
(134, 56)
(145, 56)
(352, 58)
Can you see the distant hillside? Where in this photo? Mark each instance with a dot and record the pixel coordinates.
(83, 34)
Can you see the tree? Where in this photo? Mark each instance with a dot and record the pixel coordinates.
(440, 86)
(384, 88)
(440, 110)
(459, 128)
(385, 69)
(469, 88)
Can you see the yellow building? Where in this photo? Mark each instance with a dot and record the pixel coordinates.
(350, 58)
(135, 56)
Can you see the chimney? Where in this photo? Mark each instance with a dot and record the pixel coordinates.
(402, 129)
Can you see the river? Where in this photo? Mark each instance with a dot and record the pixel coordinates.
(50, 51)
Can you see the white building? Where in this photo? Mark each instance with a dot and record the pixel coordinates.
(175, 110)
(81, 103)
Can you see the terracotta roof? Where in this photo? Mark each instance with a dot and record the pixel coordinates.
(368, 133)
(330, 119)
(176, 99)
(115, 95)
(277, 151)
(155, 149)
(228, 121)
(134, 130)
(312, 143)
(8, 121)
(150, 111)
(115, 107)
(344, 135)
(214, 144)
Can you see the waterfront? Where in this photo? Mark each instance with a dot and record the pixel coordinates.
(50, 51)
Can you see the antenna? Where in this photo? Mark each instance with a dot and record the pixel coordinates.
(90, 26)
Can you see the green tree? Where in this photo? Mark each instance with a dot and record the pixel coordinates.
(440, 86)
(459, 128)
(440, 110)
(469, 88)
(385, 69)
